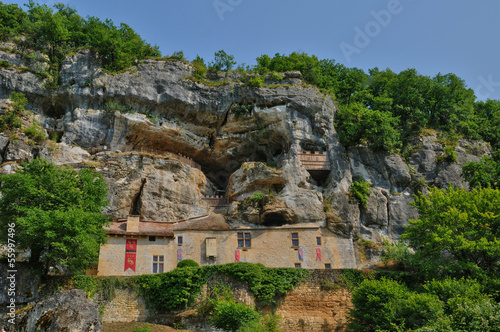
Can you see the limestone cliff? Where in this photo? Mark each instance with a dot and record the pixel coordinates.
(163, 141)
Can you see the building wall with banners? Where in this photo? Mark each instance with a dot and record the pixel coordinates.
(311, 247)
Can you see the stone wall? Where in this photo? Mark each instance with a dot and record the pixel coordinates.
(309, 308)
(306, 308)
(126, 306)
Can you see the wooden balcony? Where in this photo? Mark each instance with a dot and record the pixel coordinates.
(315, 161)
(216, 202)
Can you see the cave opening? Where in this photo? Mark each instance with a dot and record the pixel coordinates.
(135, 209)
(274, 219)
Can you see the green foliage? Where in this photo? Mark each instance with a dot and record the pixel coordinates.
(5, 64)
(449, 155)
(352, 278)
(103, 288)
(484, 173)
(145, 328)
(256, 197)
(176, 289)
(222, 61)
(230, 315)
(360, 190)
(457, 233)
(19, 102)
(241, 110)
(256, 81)
(36, 133)
(11, 119)
(399, 253)
(359, 124)
(60, 31)
(276, 76)
(57, 214)
(200, 69)
(187, 263)
(370, 300)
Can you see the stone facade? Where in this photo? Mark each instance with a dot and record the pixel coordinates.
(126, 306)
(273, 247)
(112, 255)
(309, 308)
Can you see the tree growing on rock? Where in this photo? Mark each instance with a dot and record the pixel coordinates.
(56, 214)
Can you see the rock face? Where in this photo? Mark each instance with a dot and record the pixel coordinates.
(70, 311)
(227, 137)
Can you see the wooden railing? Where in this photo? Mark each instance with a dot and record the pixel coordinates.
(216, 201)
(181, 158)
(315, 160)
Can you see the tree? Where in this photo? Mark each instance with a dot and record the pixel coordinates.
(457, 233)
(57, 214)
(358, 124)
(222, 61)
(484, 173)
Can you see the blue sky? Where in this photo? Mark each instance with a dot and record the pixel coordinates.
(458, 36)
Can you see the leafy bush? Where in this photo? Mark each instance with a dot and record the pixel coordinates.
(256, 197)
(484, 173)
(230, 315)
(255, 81)
(36, 133)
(370, 300)
(187, 263)
(174, 290)
(19, 101)
(449, 155)
(359, 124)
(360, 190)
(268, 323)
(200, 69)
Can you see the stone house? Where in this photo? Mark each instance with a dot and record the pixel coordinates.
(137, 247)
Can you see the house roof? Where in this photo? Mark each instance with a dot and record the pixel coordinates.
(145, 228)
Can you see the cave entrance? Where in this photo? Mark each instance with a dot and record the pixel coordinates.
(135, 209)
(274, 219)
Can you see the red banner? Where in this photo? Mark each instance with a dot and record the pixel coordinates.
(130, 261)
(318, 254)
(237, 256)
(130, 254)
(131, 245)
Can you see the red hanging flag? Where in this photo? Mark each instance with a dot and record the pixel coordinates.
(130, 261)
(237, 256)
(131, 245)
(130, 254)
(318, 254)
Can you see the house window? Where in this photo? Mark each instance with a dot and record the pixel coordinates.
(152, 238)
(318, 240)
(298, 265)
(295, 239)
(157, 264)
(244, 240)
(179, 240)
(328, 266)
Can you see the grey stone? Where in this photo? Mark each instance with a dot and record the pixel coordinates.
(70, 311)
